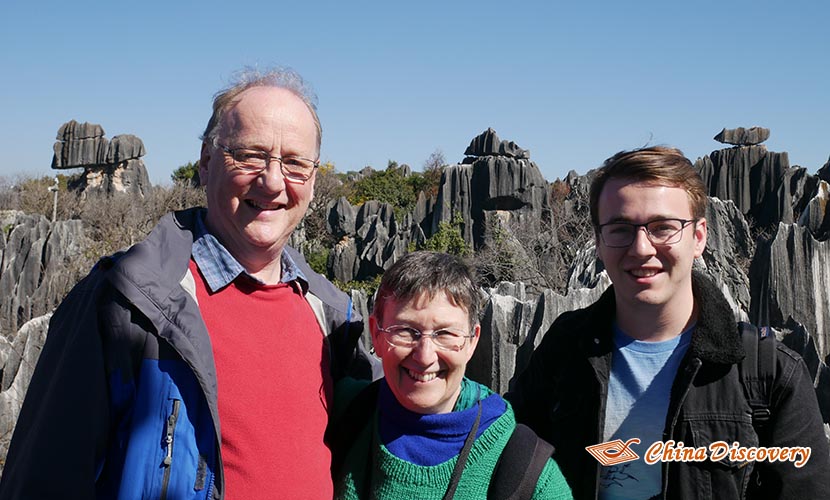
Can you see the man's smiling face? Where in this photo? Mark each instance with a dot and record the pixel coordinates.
(253, 215)
(645, 274)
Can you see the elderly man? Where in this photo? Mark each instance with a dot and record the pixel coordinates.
(212, 319)
(655, 363)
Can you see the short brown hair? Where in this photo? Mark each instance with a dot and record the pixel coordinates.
(429, 273)
(660, 165)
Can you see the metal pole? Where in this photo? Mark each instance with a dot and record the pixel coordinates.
(54, 189)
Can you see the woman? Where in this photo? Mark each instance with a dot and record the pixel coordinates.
(434, 433)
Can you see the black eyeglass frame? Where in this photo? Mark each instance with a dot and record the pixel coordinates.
(649, 235)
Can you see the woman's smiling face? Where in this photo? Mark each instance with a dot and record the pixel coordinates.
(425, 379)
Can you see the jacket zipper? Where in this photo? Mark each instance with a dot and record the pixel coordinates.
(602, 380)
(168, 459)
(210, 492)
(691, 371)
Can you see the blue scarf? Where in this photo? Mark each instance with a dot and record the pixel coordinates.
(427, 440)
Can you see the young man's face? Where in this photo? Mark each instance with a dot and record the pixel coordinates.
(644, 273)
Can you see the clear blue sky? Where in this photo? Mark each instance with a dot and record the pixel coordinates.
(573, 82)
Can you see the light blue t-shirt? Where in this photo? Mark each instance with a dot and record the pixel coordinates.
(639, 388)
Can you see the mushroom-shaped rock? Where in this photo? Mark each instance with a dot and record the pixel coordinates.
(743, 136)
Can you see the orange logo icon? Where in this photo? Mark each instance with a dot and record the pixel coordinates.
(614, 452)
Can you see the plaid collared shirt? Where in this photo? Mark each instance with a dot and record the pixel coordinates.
(219, 267)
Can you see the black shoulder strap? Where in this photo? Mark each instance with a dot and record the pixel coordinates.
(342, 432)
(757, 370)
(520, 465)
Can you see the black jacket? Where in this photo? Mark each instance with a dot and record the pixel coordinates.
(562, 393)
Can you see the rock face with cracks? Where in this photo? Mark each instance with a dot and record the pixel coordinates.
(40, 262)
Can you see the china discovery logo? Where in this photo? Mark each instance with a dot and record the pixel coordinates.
(618, 452)
(614, 452)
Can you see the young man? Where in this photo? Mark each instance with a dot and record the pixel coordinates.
(211, 319)
(656, 358)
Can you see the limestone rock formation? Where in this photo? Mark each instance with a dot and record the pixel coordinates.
(343, 261)
(488, 144)
(341, 218)
(422, 214)
(109, 166)
(363, 305)
(790, 278)
(729, 249)
(501, 184)
(761, 183)
(587, 271)
(455, 197)
(123, 148)
(79, 145)
(816, 216)
(512, 325)
(18, 357)
(41, 261)
(298, 238)
(375, 225)
(824, 172)
(500, 178)
(743, 136)
(513, 188)
(369, 241)
(405, 170)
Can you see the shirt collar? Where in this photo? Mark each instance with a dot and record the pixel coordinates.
(220, 268)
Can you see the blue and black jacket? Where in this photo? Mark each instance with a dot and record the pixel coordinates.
(122, 403)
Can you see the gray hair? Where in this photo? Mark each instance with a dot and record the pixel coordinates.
(248, 77)
(430, 273)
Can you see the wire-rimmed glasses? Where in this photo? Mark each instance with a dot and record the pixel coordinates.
(409, 336)
(255, 161)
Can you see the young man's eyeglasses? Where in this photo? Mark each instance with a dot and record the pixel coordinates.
(408, 336)
(255, 161)
(659, 232)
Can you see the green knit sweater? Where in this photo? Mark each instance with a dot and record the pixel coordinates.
(394, 478)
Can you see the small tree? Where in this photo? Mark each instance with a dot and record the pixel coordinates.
(433, 169)
(387, 186)
(187, 174)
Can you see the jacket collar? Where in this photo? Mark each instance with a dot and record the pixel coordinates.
(153, 269)
(715, 338)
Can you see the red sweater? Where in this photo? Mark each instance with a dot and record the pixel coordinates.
(274, 389)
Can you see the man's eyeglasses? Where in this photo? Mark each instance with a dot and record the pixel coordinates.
(408, 336)
(659, 232)
(255, 161)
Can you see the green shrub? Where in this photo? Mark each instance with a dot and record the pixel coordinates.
(448, 238)
(317, 259)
